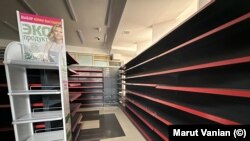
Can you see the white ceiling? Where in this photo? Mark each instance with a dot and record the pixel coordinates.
(91, 16)
(140, 15)
(137, 17)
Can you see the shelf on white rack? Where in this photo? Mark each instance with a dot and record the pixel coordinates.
(33, 65)
(39, 117)
(34, 92)
(47, 136)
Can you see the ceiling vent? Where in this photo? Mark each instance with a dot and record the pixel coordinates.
(80, 35)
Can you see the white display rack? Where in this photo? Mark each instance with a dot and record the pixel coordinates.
(34, 92)
(39, 117)
(33, 65)
(47, 136)
(23, 115)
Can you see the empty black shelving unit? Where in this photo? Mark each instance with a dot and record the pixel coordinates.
(197, 74)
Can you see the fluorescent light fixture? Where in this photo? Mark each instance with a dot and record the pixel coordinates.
(80, 35)
(99, 29)
(10, 25)
(71, 10)
(30, 7)
(108, 14)
(105, 38)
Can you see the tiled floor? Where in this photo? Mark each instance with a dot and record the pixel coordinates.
(102, 124)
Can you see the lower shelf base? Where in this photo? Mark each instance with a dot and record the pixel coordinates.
(47, 136)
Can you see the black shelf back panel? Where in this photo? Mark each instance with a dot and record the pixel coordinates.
(198, 73)
(217, 13)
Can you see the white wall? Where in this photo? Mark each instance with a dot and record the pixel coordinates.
(87, 50)
(130, 48)
(125, 53)
(141, 46)
(203, 3)
(162, 29)
(125, 59)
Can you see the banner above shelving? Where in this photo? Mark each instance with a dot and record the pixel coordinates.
(42, 37)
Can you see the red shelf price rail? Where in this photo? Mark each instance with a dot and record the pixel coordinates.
(84, 92)
(81, 70)
(4, 106)
(73, 97)
(86, 87)
(73, 72)
(138, 127)
(86, 76)
(75, 120)
(152, 113)
(84, 81)
(141, 84)
(6, 129)
(76, 132)
(199, 66)
(74, 108)
(214, 91)
(204, 35)
(37, 104)
(148, 124)
(187, 109)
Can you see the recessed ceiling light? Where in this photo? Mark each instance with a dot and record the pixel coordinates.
(126, 32)
(98, 29)
(98, 38)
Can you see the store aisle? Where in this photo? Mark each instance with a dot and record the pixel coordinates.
(107, 124)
